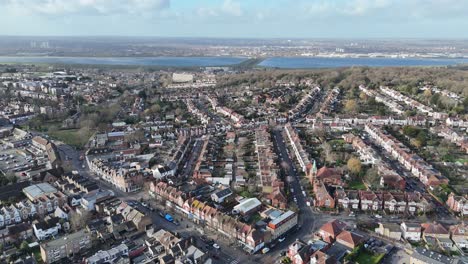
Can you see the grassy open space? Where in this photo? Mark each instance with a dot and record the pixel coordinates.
(357, 185)
(366, 257)
(73, 137)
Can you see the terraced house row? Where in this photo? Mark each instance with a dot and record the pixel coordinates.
(43, 199)
(267, 168)
(301, 155)
(425, 172)
(413, 103)
(120, 174)
(393, 202)
(206, 213)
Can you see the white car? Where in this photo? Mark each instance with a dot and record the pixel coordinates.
(281, 239)
(216, 246)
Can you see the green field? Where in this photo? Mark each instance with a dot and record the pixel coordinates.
(72, 137)
(368, 258)
(357, 185)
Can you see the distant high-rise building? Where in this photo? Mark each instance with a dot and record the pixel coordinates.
(45, 45)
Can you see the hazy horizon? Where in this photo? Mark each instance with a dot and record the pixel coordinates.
(240, 37)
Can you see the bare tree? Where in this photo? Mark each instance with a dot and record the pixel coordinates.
(78, 221)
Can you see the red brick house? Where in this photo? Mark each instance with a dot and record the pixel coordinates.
(350, 239)
(329, 176)
(323, 198)
(329, 231)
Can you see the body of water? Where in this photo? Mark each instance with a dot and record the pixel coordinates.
(130, 61)
(274, 62)
(319, 62)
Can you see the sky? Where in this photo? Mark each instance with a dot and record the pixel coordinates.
(237, 18)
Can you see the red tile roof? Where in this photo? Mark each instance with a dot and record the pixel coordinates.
(333, 227)
(350, 238)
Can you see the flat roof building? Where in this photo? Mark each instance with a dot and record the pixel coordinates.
(247, 206)
(65, 247)
(37, 190)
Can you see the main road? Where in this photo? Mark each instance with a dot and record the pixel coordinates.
(226, 254)
(308, 219)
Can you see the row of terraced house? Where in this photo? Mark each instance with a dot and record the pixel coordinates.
(120, 174)
(301, 155)
(36, 205)
(210, 216)
(422, 170)
(251, 238)
(393, 202)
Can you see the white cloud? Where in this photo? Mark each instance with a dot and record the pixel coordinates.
(85, 7)
(362, 7)
(228, 8)
(431, 9)
(350, 7)
(207, 12)
(232, 7)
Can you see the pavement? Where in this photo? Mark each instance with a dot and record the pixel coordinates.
(229, 252)
(226, 254)
(189, 165)
(412, 183)
(308, 219)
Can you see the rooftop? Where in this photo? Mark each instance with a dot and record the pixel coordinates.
(429, 256)
(248, 204)
(64, 240)
(40, 189)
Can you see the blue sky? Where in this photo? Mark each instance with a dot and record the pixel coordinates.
(238, 18)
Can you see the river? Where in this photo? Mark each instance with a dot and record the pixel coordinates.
(274, 62)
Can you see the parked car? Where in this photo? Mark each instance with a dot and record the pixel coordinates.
(169, 218)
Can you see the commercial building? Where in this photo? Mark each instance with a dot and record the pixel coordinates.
(281, 224)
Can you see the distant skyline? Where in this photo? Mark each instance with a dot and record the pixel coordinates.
(429, 19)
